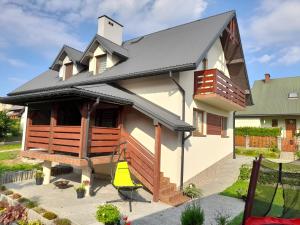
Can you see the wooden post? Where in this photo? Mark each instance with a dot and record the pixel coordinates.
(53, 123)
(83, 134)
(28, 125)
(157, 156)
(251, 189)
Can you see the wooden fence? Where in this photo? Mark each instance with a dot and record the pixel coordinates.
(256, 141)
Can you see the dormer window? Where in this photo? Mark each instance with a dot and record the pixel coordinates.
(68, 70)
(293, 95)
(101, 63)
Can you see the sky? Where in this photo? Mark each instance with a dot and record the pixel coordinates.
(33, 31)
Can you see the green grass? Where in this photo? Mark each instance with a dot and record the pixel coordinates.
(238, 186)
(10, 147)
(267, 153)
(237, 220)
(18, 167)
(9, 155)
(298, 154)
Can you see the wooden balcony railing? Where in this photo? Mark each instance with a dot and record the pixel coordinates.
(213, 81)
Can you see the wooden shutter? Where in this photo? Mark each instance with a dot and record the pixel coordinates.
(69, 70)
(100, 63)
(214, 124)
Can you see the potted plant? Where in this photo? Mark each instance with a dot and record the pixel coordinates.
(80, 190)
(39, 177)
(108, 214)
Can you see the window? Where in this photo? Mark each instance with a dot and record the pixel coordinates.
(224, 126)
(293, 95)
(68, 70)
(214, 124)
(274, 123)
(106, 118)
(100, 63)
(198, 122)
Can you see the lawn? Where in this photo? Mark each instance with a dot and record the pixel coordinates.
(9, 155)
(18, 167)
(10, 147)
(255, 152)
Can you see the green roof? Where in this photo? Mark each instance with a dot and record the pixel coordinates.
(271, 98)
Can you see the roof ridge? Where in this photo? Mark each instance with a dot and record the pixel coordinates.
(111, 41)
(281, 78)
(68, 46)
(201, 19)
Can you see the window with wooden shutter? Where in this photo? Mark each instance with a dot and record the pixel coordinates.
(214, 124)
(68, 70)
(224, 126)
(106, 118)
(198, 122)
(100, 63)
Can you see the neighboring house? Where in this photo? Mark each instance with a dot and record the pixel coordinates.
(170, 95)
(276, 104)
(15, 112)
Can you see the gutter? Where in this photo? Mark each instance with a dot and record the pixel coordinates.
(234, 155)
(183, 137)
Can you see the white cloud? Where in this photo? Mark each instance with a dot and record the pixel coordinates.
(12, 61)
(275, 28)
(290, 55)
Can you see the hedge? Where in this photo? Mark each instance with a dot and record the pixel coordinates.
(257, 131)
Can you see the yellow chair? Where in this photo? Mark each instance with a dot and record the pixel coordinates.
(122, 181)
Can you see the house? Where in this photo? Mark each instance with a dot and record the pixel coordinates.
(169, 95)
(15, 112)
(276, 104)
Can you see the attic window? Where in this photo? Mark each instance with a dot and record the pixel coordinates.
(293, 95)
(68, 70)
(100, 63)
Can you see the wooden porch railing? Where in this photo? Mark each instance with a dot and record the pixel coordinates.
(65, 139)
(38, 136)
(214, 81)
(104, 140)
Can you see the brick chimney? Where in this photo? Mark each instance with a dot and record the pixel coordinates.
(267, 77)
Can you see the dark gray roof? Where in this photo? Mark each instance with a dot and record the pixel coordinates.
(271, 98)
(108, 45)
(107, 93)
(179, 48)
(73, 54)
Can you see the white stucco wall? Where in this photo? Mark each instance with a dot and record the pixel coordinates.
(24, 127)
(201, 152)
(247, 122)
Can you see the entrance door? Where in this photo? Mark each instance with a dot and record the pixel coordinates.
(289, 142)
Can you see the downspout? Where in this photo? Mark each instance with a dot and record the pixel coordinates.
(86, 144)
(183, 137)
(233, 126)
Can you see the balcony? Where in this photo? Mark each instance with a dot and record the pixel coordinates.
(216, 89)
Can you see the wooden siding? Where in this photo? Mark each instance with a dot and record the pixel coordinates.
(214, 124)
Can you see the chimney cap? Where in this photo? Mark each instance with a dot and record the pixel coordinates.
(110, 19)
(267, 77)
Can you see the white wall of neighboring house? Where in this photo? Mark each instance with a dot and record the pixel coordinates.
(247, 122)
(24, 126)
(201, 152)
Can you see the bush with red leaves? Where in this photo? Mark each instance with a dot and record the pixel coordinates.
(13, 213)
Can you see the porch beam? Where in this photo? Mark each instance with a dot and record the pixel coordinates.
(28, 124)
(83, 133)
(53, 123)
(157, 158)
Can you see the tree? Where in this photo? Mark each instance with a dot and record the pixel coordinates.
(5, 124)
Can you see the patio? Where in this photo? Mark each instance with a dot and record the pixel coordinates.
(82, 211)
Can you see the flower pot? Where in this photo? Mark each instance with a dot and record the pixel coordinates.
(39, 180)
(80, 193)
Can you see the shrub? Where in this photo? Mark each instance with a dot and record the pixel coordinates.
(13, 213)
(30, 204)
(62, 222)
(33, 222)
(3, 188)
(5, 124)
(245, 172)
(23, 200)
(192, 191)
(258, 131)
(38, 174)
(298, 154)
(222, 219)
(108, 214)
(192, 215)
(8, 192)
(16, 196)
(50, 215)
(39, 210)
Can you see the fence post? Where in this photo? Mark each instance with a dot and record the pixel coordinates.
(279, 143)
(247, 141)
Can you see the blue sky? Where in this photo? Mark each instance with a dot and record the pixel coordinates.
(33, 31)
